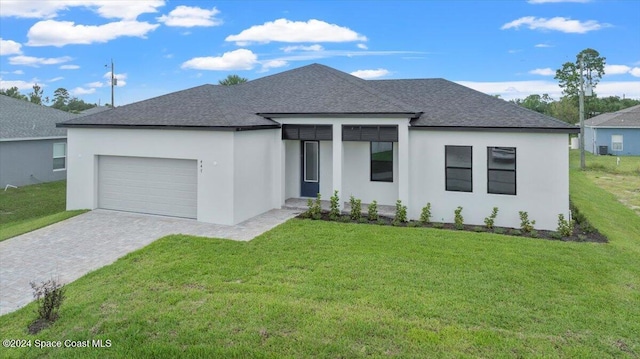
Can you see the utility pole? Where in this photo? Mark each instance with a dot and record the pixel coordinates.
(113, 105)
(581, 101)
(114, 82)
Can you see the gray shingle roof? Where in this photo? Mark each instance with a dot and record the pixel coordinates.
(22, 119)
(318, 89)
(448, 104)
(628, 117)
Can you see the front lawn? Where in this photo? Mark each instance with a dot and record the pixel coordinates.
(28, 208)
(325, 289)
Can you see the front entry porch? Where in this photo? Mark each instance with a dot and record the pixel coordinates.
(301, 204)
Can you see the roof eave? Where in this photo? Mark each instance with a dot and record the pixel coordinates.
(498, 129)
(170, 127)
(340, 114)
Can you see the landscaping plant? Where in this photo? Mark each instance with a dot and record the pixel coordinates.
(565, 227)
(372, 211)
(525, 224)
(49, 296)
(401, 213)
(356, 208)
(459, 220)
(490, 221)
(334, 212)
(425, 216)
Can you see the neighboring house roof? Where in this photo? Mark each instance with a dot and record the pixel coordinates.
(94, 110)
(320, 90)
(629, 117)
(20, 119)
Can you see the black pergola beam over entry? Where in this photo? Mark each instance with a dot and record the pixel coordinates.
(370, 133)
(307, 132)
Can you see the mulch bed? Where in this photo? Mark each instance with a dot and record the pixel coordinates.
(582, 232)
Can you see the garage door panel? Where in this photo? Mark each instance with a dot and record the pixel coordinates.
(148, 185)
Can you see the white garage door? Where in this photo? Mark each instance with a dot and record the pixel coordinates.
(148, 185)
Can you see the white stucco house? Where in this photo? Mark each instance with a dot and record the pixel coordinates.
(223, 154)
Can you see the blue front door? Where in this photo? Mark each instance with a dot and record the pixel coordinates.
(310, 174)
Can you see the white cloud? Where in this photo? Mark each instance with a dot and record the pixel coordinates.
(362, 46)
(555, 1)
(272, 64)
(21, 85)
(69, 67)
(635, 72)
(98, 83)
(370, 74)
(616, 69)
(543, 72)
(48, 9)
(82, 91)
(514, 51)
(9, 47)
(292, 48)
(241, 59)
(121, 79)
(283, 30)
(557, 24)
(61, 33)
(509, 90)
(37, 61)
(16, 72)
(542, 45)
(56, 79)
(187, 16)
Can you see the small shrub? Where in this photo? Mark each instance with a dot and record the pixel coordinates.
(515, 232)
(438, 225)
(498, 230)
(381, 222)
(458, 220)
(525, 224)
(356, 208)
(362, 220)
(490, 221)
(533, 234)
(345, 219)
(316, 208)
(582, 238)
(372, 211)
(425, 216)
(309, 211)
(334, 212)
(401, 213)
(565, 228)
(478, 229)
(49, 296)
(413, 224)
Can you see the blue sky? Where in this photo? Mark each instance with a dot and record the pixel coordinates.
(511, 48)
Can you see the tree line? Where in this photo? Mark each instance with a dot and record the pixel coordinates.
(62, 100)
(566, 108)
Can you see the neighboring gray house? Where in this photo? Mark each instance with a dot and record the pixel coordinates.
(32, 149)
(223, 154)
(614, 133)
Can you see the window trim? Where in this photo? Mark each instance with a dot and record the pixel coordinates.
(447, 167)
(371, 162)
(621, 142)
(514, 170)
(65, 156)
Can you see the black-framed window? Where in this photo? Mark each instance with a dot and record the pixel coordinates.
(501, 170)
(458, 168)
(382, 161)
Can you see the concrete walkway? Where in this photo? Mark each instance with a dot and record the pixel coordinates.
(69, 249)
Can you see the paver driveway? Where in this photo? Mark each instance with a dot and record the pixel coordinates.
(68, 250)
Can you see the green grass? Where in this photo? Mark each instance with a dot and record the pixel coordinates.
(623, 180)
(326, 289)
(28, 208)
